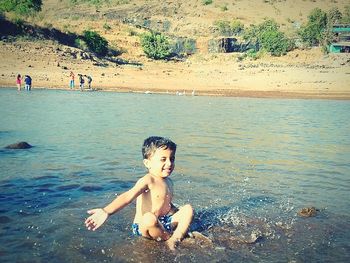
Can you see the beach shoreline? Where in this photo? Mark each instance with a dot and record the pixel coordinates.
(211, 93)
(303, 74)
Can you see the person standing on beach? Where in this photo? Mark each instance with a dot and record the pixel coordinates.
(89, 80)
(71, 82)
(81, 81)
(19, 81)
(28, 82)
(156, 216)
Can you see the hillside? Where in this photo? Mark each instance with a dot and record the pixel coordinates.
(301, 73)
(179, 18)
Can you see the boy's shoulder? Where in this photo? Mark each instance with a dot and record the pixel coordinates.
(149, 179)
(146, 179)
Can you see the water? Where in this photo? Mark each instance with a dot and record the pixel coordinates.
(246, 165)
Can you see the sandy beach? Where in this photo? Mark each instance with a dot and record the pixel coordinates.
(299, 74)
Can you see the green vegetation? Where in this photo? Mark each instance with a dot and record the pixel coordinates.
(207, 2)
(95, 42)
(226, 28)
(236, 27)
(155, 45)
(106, 27)
(224, 7)
(346, 15)
(312, 32)
(275, 42)
(268, 36)
(23, 7)
(183, 46)
(99, 3)
(318, 29)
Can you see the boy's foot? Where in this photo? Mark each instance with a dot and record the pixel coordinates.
(172, 243)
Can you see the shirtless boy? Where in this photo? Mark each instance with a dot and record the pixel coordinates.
(156, 217)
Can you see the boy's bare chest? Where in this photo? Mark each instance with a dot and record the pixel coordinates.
(161, 191)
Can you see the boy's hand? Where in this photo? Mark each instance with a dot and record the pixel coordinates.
(97, 218)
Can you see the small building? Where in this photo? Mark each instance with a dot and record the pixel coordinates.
(228, 45)
(341, 39)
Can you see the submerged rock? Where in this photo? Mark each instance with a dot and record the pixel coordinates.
(19, 145)
(198, 239)
(308, 212)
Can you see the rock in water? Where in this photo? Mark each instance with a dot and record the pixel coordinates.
(197, 239)
(19, 145)
(308, 212)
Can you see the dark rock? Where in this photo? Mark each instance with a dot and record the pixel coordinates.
(19, 145)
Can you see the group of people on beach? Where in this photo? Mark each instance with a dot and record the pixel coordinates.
(27, 82)
(81, 80)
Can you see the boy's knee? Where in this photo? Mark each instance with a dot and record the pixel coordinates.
(149, 220)
(188, 210)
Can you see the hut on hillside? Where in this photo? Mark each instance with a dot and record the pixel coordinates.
(227, 45)
(341, 39)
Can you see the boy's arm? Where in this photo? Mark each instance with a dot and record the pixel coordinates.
(100, 215)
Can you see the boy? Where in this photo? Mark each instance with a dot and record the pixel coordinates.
(156, 217)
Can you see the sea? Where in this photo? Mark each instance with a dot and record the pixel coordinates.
(248, 166)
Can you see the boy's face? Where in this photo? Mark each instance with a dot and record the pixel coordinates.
(161, 163)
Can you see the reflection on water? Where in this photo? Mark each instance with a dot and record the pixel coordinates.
(246, 165)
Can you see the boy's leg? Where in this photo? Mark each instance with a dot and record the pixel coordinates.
(151, 228)
(181, 220)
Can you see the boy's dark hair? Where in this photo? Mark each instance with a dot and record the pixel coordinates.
(151, 144)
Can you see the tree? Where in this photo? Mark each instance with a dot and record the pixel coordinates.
(267, 36)
(155, 45)
(334, 16)
(95, 42)
(275, 42)
(21, 7)
(312, 32)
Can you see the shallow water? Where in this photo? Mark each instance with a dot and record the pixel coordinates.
(246, 165)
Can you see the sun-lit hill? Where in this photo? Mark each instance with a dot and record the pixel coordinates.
(120, 20)
(188, 18)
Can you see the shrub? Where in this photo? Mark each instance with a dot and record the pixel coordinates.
(207, 2)
(95, 42)
(236, 27)
(224, 27)
(224, 7)
(155, 45)
(79, 43)
(23, 7)
(106, 27)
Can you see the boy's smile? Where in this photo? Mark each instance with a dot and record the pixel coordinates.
(161, 163)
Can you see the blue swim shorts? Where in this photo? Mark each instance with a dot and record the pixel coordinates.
(164, 220)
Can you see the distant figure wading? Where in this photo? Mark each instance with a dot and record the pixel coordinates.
(19, 81)
(28, 82)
